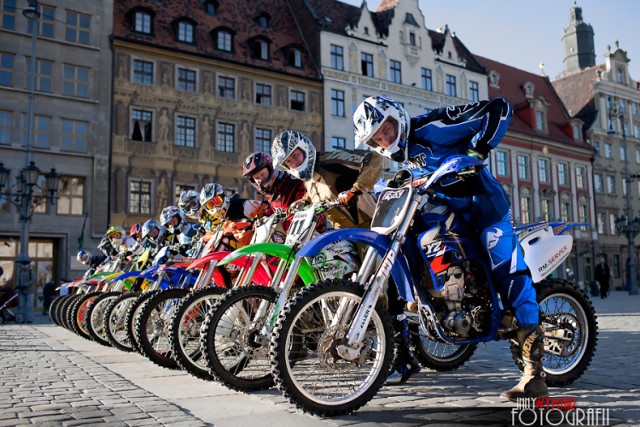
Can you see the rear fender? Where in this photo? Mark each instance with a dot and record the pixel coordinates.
(399, 271)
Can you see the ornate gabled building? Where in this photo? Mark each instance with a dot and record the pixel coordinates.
(607, 100)
(543, 162)
(388, 52)
(198, 86)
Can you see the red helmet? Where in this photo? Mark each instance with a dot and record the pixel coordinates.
(254, 163)
(135, 229)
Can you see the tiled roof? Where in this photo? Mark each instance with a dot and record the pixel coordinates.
(511, 87)
(576, 91)
(236, 15)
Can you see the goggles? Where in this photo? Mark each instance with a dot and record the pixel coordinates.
(214, 203)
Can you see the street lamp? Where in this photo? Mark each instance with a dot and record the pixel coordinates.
(629, 226)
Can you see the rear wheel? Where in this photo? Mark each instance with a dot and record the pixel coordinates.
(571, 331)
(185, 330)
(304, 351)
(95, 318)
(438, 355)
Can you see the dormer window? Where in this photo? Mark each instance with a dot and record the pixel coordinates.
(294, 57)
(577, 131)
(223, 39)
(142, 21)
(185, 31)
(494, 78)
(260, 48)
(541, 120)
(528, 88)
(263, 20)
(412, 39)
(620, 75)
(211, 7)
(366, 31)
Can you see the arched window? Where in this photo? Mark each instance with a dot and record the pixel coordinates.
(211, 7)
(263, 20)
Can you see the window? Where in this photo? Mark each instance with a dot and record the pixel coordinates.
(525, 209)
(185, 32)
(636, 131)
(8, 12)
(142, 22)
(581, 174)
(427, 81)
(597, 183)
(583, 214)
(263, 140)
(46, 21)
(74, 136)
(78, 28)
(186, 131)
(612, 224)
(619, 75)
(601, 223)
(611, 184)
(294, 57)
(546, 208)
(41, 132)
(565, 211)
(623, 105)
(523, 167)
(451, 85)
(260, 49)
(338, 142)
(226, 87)
(139, 197)
(263, 94)
(502, 163)
(412, 38)
(608, 151)
(474, 91)
(5, 127)
(142, 72)
(337, 57)
(577, 131)
(75, 81)
(226, 137)
(70, 196)
(596, 145)
(337, 103)
(142, 124)
(211, 8)
(541, 120)
(6, 69)
(366, 64)
(563, 174)
(634, 108)
(263, 21)
(543, 170)
(224, 41)
(395, 71)
(186, 80)
(296, 100)
(44, 70)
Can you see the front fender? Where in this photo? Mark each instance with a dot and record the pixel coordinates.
(399, 271)
(203, 261)
(278, 250)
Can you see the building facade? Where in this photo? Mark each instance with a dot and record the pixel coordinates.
(71, 127)
(198, 86)
(607, 100)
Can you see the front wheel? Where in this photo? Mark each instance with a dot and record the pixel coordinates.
(304, 356)
(571, 331)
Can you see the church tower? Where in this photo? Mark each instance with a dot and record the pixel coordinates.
(579, 51)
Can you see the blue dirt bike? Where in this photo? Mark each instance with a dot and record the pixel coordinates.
(332, 345)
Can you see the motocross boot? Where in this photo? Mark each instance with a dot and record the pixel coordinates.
(405, 364)
(532, 384)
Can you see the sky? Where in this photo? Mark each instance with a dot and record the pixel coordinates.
(525, 33)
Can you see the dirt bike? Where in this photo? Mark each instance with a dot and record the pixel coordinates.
(235, 335)
(332, 346)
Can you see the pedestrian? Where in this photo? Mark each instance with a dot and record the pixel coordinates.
(48, 292)
(603, 274)
(25, 282)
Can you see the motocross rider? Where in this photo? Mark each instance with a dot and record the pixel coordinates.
(474, 129)
(173, 219)
(279, 187)
(346, 175)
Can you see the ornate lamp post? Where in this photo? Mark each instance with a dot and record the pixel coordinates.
(627, 225)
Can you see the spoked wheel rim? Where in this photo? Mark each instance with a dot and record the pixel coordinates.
(566, 333)
(118, 324)
(158, 327)
(97, 318)
(238, 344)
(319, 373)
(189, 331)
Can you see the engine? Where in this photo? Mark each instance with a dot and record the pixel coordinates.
(463, 305)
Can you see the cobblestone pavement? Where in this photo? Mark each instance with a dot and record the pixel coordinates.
(52, 377)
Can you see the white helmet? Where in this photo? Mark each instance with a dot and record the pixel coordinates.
(213, 198)
(286, 143)
(368, 118)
